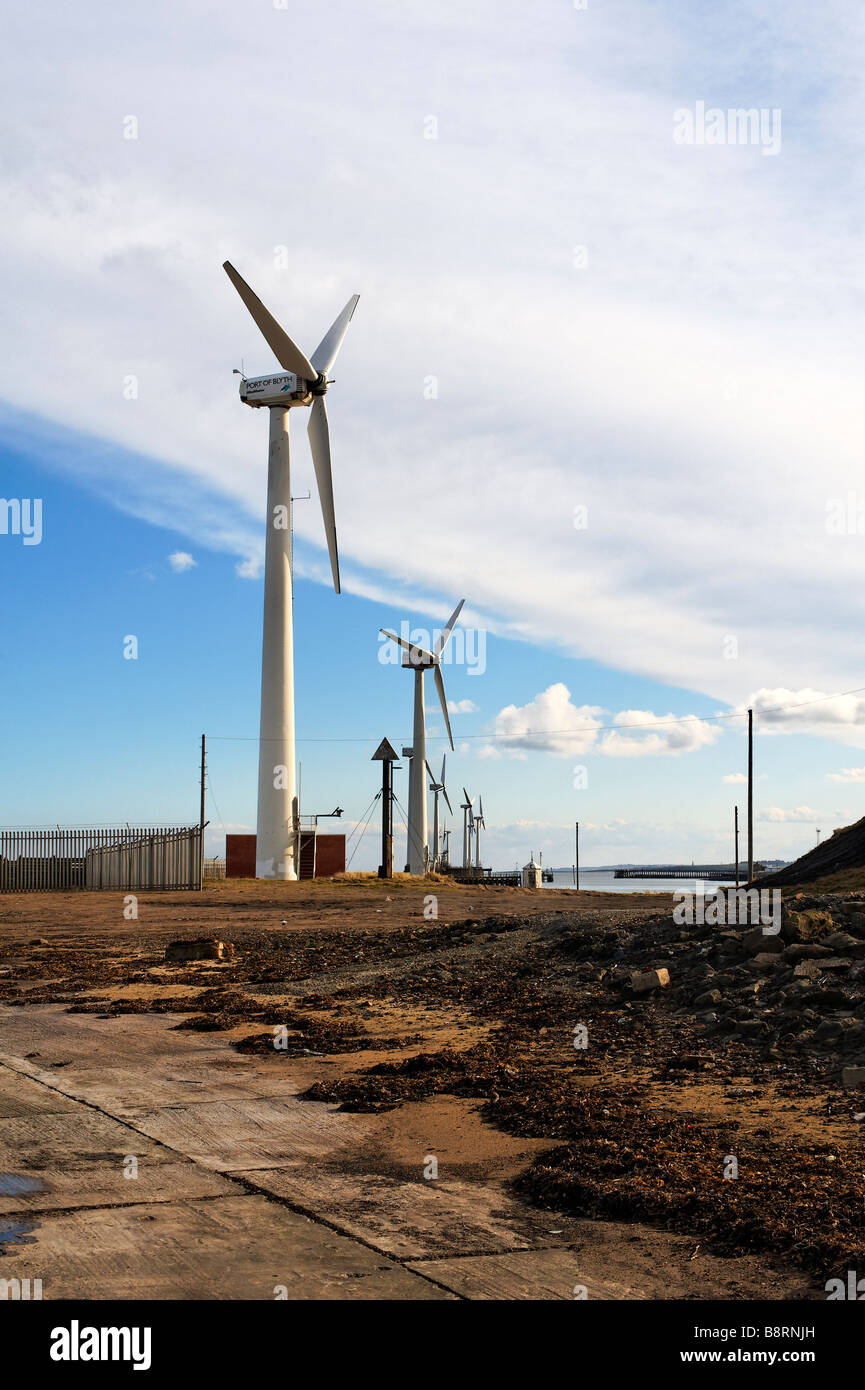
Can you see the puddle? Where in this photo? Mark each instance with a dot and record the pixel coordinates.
(16, 1232)
(19, 1184)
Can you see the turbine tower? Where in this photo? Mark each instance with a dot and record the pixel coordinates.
(466, 809)
(420, 660)
(479, 822)
(436, 788)
(301, 382)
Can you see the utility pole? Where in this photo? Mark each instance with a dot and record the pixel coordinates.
(576, 854)
(750, 795)
(736, 840)
(386, 755)
(201, 817)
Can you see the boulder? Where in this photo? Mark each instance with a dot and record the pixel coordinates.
(853, 1077)
(804, 950)
(767, 960)
(807, 924)
(199, 948)
(757, 942)
(644, 980)
(807, 970)
(842, 942)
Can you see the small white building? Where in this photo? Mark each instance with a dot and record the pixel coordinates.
(532, 874)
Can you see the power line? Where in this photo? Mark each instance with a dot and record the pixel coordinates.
(363, 832)
(580, 729)
(369, 808)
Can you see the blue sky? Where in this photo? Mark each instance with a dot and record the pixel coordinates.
(563, 312)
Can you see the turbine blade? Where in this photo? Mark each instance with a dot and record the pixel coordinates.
(440, 687)
(444, 755)
(429, 770)
(480, 808)
(467, 797)
(409, 646)
(445, 636)
(319, 443)
(447, 799)
(287, 353)
(325, 354)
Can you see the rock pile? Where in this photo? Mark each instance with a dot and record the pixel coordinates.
(800, 988)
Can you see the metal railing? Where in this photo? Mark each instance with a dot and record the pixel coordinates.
(43, 860)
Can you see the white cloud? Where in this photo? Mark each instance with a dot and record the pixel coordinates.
(250, 568)
(780, 710)
(799, 813)
(848, 774)
(735, 778)
(684, 735)
(462, 707)
(180, 561)
(552, 723)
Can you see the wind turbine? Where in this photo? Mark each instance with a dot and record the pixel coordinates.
(420, 660)
(302, 382)
(466, 809)
(446, 852)
(437, 787)
(479, 822)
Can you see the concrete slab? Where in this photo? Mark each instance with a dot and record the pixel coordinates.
(194, 1094)
(228, 1248)
(78, 1157)
(257, 1133)
(22, 1097)
(410, 1219)
(527, 1274)
(103, 1060)
(618, 1260)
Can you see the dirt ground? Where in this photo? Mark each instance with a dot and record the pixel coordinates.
(360, 904)
(451, 1037)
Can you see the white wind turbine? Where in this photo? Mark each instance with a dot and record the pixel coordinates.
(436, 788)
(304, 382)
(466, 809)
(420, 660)
(479, 823)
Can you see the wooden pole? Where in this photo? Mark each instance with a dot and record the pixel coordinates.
(750, 795)
(736, 841)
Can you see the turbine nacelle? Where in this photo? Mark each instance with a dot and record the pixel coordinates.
(281, 389)
(303, 381)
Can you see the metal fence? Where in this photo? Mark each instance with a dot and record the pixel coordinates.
(100, 857)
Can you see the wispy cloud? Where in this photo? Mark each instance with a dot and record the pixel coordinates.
(180, 561)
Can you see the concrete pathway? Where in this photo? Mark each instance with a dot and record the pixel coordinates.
(140, 1162)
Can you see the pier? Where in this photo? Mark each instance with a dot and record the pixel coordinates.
(714, 871)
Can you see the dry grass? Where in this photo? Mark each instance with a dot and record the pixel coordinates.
(844, 881)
